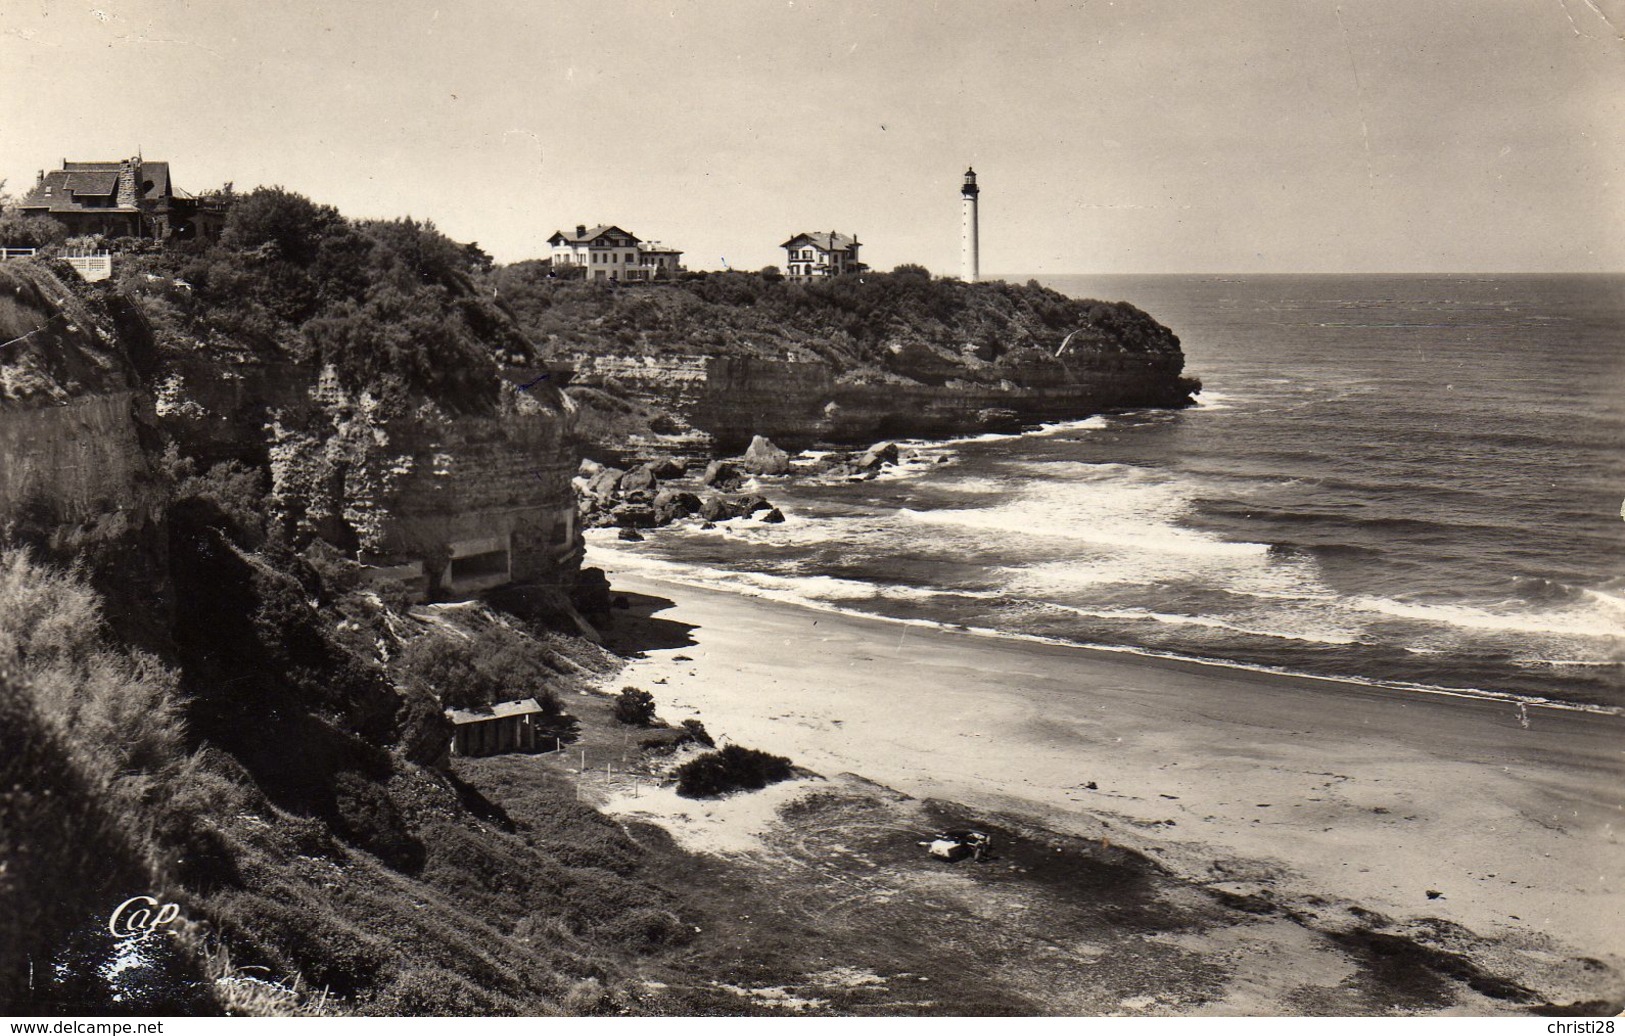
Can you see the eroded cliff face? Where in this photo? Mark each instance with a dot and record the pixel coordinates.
(78, 443)
(703, 364)
(797, 403)
(446, 505)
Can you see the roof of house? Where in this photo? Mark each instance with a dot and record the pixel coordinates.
(96, 184)
(158, 174)
(829, 241)
(501, 710)
(59, 189)
(589, 235)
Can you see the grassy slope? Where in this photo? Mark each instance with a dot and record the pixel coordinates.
(288, 799)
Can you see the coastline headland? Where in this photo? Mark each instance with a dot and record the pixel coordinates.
(704, 364)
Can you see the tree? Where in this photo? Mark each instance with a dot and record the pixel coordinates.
(734, 768)
(635, 707)
(279, 224)
(20, 231)
(446, 667)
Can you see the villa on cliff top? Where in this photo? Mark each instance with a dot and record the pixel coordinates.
(127, 198)
(608, 253)
(821, 254)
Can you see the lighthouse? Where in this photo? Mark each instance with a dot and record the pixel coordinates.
(970, 261)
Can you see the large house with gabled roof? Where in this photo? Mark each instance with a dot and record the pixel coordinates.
(821, 254)
(128, 198)
(608, 253)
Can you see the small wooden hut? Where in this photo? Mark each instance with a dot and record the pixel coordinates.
(509, 726)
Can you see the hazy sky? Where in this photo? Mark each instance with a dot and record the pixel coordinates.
(1109, 137)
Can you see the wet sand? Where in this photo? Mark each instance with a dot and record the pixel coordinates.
(1310, 787)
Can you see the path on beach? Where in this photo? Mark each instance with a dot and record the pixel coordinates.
(1368, 794)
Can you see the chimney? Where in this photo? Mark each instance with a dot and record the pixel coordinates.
(129, 183)
(581, 230)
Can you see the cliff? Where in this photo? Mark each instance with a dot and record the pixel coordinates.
(232, 442)
(78, 438)
(449, 505)
(728, 399)
(397, 413)
(709, 361)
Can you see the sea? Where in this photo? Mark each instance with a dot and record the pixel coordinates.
(1411, 481)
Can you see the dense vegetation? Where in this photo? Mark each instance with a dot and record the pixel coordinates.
(281, 774)
(870, 321)
(732, 768)
(635, 707)
(390, 305)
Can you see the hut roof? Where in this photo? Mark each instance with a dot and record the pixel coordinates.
(501, 710)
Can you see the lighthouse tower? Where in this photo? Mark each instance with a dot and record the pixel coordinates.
(970, 261)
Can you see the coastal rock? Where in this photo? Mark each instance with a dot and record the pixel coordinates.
(764, 458)
(833, 463)
(669, 468)
(716, 508)
(590, 595)
(998, 419)
(631, 536)
(672, 504)
(752, 503)
(639, 478)
(877, 456)
(773, 516)
(588, 468)
(721, 474)
(634, 516)
(719, 508)
(605, 484)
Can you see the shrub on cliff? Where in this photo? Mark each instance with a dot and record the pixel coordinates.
(497, 664)
(854, 323)
(91, 747)
(122, 707)
(390, 305)
(236, 492)
(445, 667)
(696, 731)
(732, 768)
(19, 231)
(635, 707)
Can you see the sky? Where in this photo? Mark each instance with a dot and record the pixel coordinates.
(1127, 137)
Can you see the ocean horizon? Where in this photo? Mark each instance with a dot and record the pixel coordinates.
(1406, 480)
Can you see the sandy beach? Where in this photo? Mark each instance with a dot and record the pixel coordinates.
(1414, 805)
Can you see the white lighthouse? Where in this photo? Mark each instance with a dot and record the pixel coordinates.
(970, 261)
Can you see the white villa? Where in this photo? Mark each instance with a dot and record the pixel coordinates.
(821, 254)
(609, 253)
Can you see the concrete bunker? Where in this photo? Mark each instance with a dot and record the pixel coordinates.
(478, 564)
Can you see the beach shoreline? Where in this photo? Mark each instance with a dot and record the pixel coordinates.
(1257, 779)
